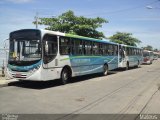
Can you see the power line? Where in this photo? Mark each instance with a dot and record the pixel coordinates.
(122, 10)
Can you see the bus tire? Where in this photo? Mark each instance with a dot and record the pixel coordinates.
(65, 75)
(139, 65)
(105, 69)
(127, 65)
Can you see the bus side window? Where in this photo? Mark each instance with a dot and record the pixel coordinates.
(89, 48)
(103, 49)
(115, 50)
(81, 48)
(78, 47)
(85, 47)
(110, 50)
(106, 49)
(72, 47)
(95, 49)
(100, 49)
(65, 46)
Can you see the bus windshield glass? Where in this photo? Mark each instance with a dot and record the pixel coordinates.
(25, 45)
(145, 54)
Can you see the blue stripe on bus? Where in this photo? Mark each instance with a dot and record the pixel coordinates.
(24, 68)
(91, 64)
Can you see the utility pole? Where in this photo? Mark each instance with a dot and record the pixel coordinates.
(36, 19)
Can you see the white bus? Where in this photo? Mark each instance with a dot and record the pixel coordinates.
(148, 57)
(156, 55)
(46, 55)
(129, 56)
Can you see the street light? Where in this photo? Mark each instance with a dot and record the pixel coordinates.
(149, 7)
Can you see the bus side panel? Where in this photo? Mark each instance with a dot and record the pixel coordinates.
(112, 62)
(82, 65)
(133, 61)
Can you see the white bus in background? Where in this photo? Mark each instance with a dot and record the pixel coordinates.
(156, 55)
(148, 57)
(129, 56)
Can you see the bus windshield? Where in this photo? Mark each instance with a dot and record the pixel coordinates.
(24, 46)
(145, 54)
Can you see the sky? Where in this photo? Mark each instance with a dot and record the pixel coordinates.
(123, 15)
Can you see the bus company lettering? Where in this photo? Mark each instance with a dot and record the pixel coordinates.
(81, 61)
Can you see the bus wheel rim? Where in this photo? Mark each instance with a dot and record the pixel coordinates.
(65, 75)
(105, 70)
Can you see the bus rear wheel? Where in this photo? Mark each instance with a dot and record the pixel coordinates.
(127, 66)
(105, 70)
(65, 76)
(138, 65)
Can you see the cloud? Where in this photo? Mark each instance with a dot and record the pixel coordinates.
(19, 1)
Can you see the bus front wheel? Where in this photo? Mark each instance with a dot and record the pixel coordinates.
(127, 66)
(138, 65)
(105, 70)
(65, 76)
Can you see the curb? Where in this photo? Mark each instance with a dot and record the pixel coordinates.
(7, 82)
(4, 84)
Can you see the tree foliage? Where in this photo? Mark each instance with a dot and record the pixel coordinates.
(79, 25)
(125, 38)
(148, 47)
(156, 50)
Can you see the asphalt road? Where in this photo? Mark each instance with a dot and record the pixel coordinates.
(121, 92)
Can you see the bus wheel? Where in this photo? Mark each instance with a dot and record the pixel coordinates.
(65, 75)
(138, 64)
(105, 70)
(127, 66)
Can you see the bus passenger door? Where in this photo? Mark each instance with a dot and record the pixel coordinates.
(122, 54)
(50, 49)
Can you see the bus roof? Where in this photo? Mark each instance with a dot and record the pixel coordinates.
(130, 46)
(147, 51)
(91, 39)
(78, 36)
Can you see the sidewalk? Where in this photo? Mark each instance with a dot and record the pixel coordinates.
(4, 82)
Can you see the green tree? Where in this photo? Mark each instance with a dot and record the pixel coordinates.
(148, 47)
(78, 25)
(124, 38)
(155, 50)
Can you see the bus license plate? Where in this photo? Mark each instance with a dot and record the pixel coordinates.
(17, 75)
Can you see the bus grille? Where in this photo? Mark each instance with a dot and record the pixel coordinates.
(19, 75)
